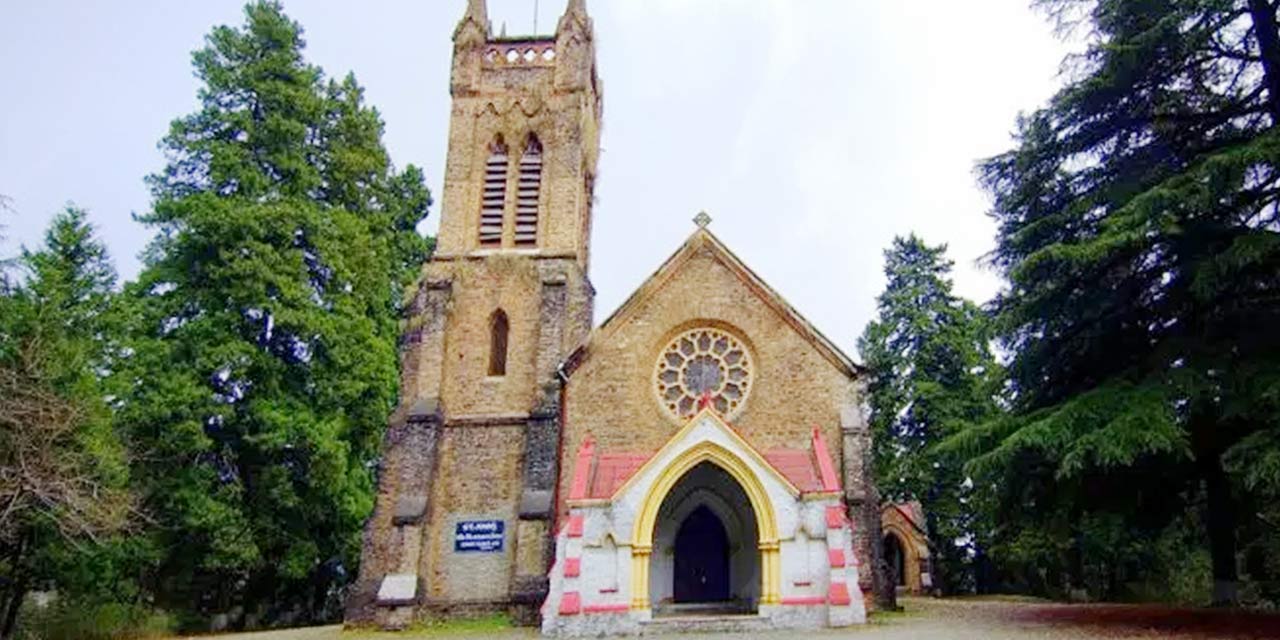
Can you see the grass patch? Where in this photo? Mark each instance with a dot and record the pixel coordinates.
(1001, 597)
(429, 628)
(881, 616)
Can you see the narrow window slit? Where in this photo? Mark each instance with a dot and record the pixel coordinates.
(498, 329)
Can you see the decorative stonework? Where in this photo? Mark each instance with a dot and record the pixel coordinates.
(703, 362)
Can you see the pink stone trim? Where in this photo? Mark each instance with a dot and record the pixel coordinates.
(582, 470)
(575, 525)
(570, 603)
(605, 608)
(838, 594)
(572, 567)
(825, 468)
(807, 601)
(836, 556)
(835, 517)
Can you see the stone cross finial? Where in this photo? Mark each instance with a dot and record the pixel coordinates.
(702, 219)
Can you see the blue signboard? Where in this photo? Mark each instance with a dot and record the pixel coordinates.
(484, 536)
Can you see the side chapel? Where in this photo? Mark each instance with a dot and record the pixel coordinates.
(700, 453)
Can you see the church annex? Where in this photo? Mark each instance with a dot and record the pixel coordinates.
(700, 453)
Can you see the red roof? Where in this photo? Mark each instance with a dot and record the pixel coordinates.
(797, 466)
(598, 476)
(612, 470)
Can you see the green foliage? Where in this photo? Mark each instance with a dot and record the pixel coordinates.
(932, 375)
(1138, 229)
(6, 262)
(1184, 574)
(63, 469)
(262, 361)
(64, 620)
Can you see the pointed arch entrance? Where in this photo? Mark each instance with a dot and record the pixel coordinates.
(706, 546)
(895, 557)
(711, 472)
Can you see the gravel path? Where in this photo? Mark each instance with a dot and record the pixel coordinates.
(960, 619)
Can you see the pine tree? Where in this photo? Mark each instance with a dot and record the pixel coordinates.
(931, 376)
(5, 261)
(1138, 230)
(265, 327)
(63, 470)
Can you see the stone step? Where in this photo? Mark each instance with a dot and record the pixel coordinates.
(735, 623)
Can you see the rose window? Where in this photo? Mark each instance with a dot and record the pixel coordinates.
(702, 363)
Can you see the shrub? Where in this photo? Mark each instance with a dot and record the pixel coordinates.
(65, 620)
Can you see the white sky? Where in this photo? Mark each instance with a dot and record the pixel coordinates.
(812, 131)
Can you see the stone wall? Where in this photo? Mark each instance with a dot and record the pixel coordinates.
(479, 479)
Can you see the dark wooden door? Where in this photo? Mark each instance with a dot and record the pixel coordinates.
(702, 559)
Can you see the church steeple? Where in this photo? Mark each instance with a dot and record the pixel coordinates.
(576, 8)
(575, 43)
(477, 14)
(575, 19)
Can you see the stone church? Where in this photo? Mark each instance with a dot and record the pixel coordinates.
(696, 459)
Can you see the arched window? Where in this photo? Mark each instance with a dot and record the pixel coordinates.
(494, 199)
(498, 329)
(527, 192)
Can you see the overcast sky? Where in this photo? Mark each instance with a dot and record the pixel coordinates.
(812, 131)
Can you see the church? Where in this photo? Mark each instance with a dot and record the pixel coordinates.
(699, 460)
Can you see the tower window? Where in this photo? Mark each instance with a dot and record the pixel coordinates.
(494, 199)
(498, 329)
(527, 193)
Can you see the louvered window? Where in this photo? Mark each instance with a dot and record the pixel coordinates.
(527, 193)
(495, 195)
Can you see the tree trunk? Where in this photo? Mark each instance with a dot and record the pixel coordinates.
(17, 592)
(16, 596)
(1221, 525)
(883, 587)
(1077, 591)
(885, 580)
(940, 571)
(1263, 15)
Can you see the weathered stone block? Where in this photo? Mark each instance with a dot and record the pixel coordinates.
(535, 504)
(398, 589)
(409, 510)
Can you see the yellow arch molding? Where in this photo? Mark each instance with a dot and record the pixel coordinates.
(647, 519)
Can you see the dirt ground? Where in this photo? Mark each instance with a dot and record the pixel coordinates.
(956, 619)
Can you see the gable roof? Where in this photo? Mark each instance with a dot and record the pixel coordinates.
(704, 239)
(681, 438)
(602, 476)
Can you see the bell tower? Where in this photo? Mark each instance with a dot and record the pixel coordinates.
(466, 493)
(524, 138)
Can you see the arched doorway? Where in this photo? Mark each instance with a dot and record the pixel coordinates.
(895, 557)
(701, 559)
(706, 549)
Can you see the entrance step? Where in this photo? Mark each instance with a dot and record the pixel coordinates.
(714, 608)
(696, 623)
